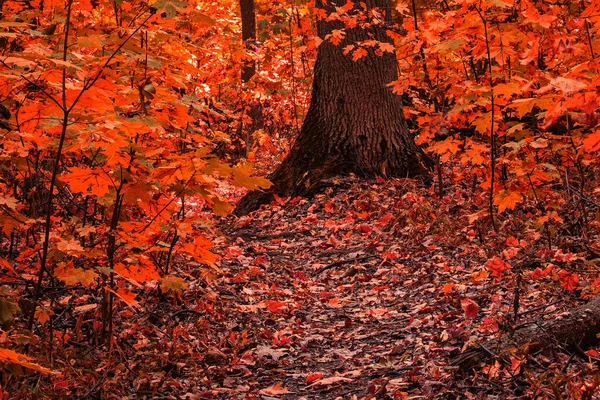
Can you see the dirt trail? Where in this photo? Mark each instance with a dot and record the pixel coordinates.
(358, 293)
(334, 302)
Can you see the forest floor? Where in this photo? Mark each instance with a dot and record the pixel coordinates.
(367, 293)
(363, 292)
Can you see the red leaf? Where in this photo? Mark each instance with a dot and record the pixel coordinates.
(539, 273)
(469, 307)
(592, 353)
(592, 142)
(448, 288)
(568, 280)
(313, 377)
(275, 306)
(497, 266)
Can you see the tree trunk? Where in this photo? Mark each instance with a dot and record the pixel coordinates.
(355, 124)
(248, 12)
(576, 328)
(255, 109)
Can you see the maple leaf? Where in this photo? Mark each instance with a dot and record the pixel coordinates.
(566, 85)
(507, 199)
(475, 154)
(479, 276)
(87, 180)
(533, 16)
(568, 280)
(523, 106)
(70, 246)
(274, 390)
(531, 54)
(348, 6)
(336, 36)
(313, 376)
(241, 177)
(71, 275)
(321, 13)
(127, 296)
(200, 18)
(6, 264)
(469, 307)
(483, 123)
(359, 53)
(173, 284)
(497, 266)
(329, 381)
(447, 46)
(592, 142)
(199, 249)
(10, 356)
(276, 306)
(403, 8)
(507, 89)
(387, 47)
(9, 224)
(9, 201)
(137, 273)
(539, 273)
(448, 287)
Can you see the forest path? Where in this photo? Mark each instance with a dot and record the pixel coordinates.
(366, 292)
(343, 296)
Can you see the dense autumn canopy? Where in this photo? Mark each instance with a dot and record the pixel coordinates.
(423, 175)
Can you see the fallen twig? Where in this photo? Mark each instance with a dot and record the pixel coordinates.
(342, 262)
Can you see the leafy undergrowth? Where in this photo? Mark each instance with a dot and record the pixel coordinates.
(367, 291)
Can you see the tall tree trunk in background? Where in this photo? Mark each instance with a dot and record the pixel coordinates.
(248, 11)
(355, 123)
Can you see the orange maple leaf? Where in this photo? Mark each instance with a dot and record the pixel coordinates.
(592, 142)
(359, 53)
(86, 180)
(336, 36)
(387, 47)
(10, 356)
(507, 199)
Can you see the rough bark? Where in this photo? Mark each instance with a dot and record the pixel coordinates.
(355, 124)
(576, 328)
(248, 12)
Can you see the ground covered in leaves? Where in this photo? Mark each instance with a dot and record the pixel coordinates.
(367, 291)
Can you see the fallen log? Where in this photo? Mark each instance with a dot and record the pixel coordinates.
(574, 328)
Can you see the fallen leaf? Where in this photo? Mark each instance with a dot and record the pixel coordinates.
(469, 307)
(310, 378)
(330, 380)
(274, 390)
